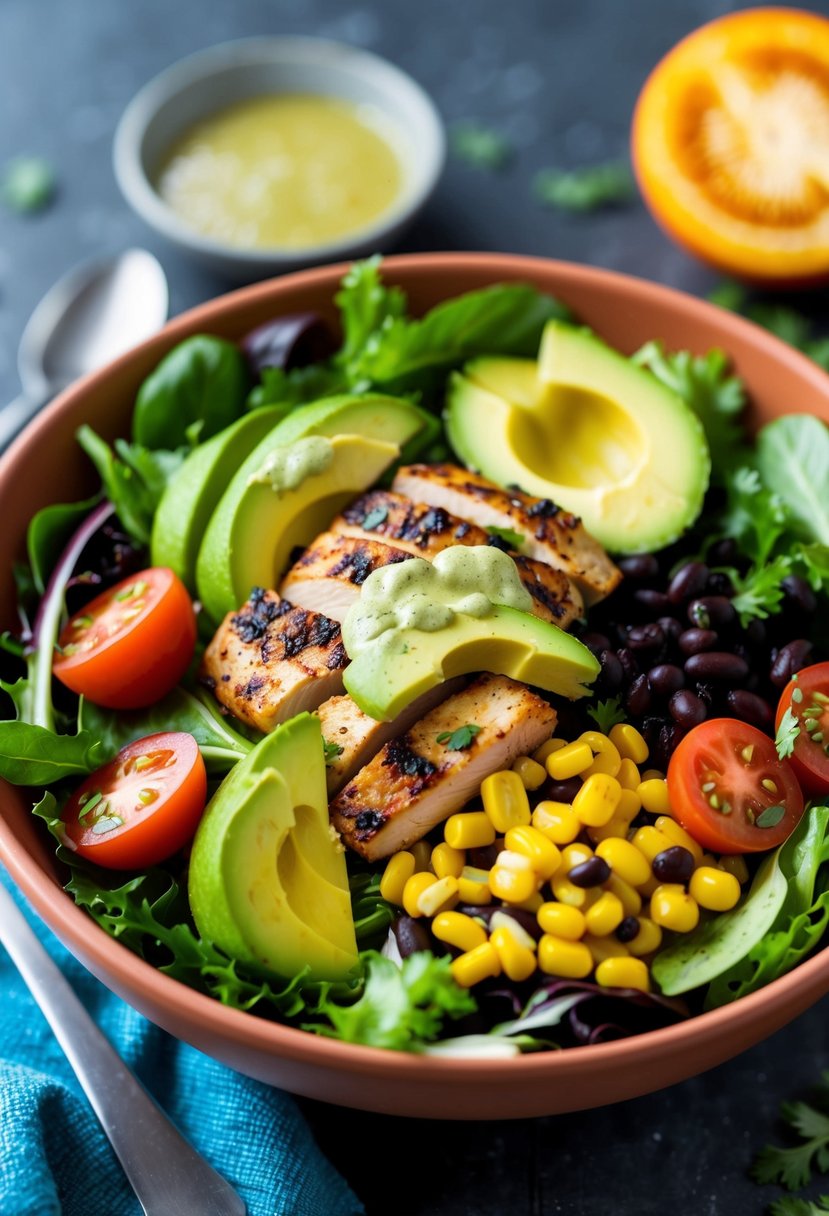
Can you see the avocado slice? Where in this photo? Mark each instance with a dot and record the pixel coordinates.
(257, 524)
(402, 665)
(193, 493)
(266, 883)
(373, 414)
(587, 428)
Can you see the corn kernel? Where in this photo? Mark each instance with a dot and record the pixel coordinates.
(625, 813)
(422, 853)
(505, 800)
(650, 841)
(469, 830)
(510, 859)
(673, 908)
(511, 885)
(567, 892)
(647, 940)
(708, 859)
(557, 820)
(735, 864)
(606, 758)
(654, 795)
(623, 973)
(677, 835)
(530, 905)
(473, 886)
(606, 915)
(470, 968)
(570, 960)
(569, 761)
(414, 888)
(625, 860)
(596, 801)
(459, 930)
(647, 889)
(397, 873)
(544, 857)
(439, 897)
(628, 775)
(714, 889)
(446, 860)
(629, 743)
(604, 947)
(562, 920)
(573, 855)
(551, 745)
(653, 774)
(628, 896)
(517, 961)
(503, 920)
(532, 773)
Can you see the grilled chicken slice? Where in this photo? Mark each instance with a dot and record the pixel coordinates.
(413, 526)
(360, 737)
(331, 571)
(550, 534)
(271, 660)
(416, 782)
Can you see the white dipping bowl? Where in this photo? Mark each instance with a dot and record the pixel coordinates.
(214, 79)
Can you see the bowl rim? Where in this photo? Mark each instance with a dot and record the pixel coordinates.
(127, 148)
(274, 1039)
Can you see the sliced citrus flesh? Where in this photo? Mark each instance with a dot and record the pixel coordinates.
(730, 144)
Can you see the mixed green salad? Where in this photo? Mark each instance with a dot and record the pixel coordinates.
(641, 834)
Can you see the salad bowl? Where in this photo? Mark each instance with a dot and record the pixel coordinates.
(45, 465)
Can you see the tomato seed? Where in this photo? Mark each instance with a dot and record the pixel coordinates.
(769, 785)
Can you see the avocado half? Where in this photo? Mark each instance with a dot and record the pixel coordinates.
(587, 428)
(266, 881)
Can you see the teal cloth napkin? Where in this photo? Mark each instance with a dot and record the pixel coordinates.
(56, 1161)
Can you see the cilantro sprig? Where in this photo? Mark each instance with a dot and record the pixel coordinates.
(793, 1167)
(460, 739)
(607, 714)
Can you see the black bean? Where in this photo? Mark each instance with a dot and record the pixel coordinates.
(675, 864)
(410, 935)
(640, 566)
(483, 858)
(612, 671)
(638, 699)
(712, 612)
(694, 641)
(790, 658)
(798, 595)
(665, 679)
(723, 553)
(654, 601)
(525, 919)
(597, 642)
(671, 627)
(748, 707)
(629, 663)
(687, 708)
(756, 633)
(666, 744)
(590, 873)
(719, 584)
(645, 637)
(716, 665)
(628, 929)
(689, 581)
(564, 791)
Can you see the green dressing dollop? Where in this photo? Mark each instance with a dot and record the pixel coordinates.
(287, 466)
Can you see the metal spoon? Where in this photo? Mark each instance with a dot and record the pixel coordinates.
(91, 315)
(166, 1173)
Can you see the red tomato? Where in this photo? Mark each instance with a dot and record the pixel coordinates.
(729, 789)
(132, 644)
(141, 807)
(807, 696)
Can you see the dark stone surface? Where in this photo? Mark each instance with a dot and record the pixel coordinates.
(559, 79)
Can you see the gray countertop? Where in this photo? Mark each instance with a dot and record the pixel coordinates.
(559, 79)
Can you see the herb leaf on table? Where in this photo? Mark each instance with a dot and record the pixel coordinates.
(480, 146)
(793, 1167)
(789, 1206)
(588, 188)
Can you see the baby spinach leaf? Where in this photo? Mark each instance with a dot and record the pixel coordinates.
(203, 379)
(47, 534)
(34, 755)
(793, 460)
(134, 479)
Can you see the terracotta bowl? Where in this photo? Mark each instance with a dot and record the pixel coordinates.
(45, 465)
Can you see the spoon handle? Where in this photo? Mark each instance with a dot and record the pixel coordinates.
(166, 1173)
(15, 415)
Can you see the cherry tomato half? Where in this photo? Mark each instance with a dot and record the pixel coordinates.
(729, 789)
(141, 807)
(132, 644)
(807, 696)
